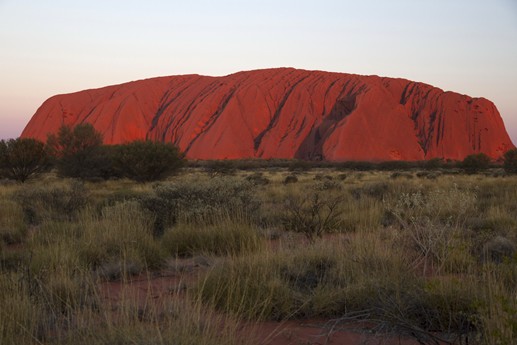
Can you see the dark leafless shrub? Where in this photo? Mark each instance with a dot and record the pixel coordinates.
(314, 215)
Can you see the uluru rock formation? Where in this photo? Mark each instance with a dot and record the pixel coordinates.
(285, 113)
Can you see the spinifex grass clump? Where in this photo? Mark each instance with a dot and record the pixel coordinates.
(12, 227)
(227, 237)
(365, 276)
(120, 234)
(57, 311)
(118, 237)
(498, 310)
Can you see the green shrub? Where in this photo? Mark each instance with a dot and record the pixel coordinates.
(58, 202)
(22, 158)
(78, 152)
(510, 161)
(91, 164)
(145, 161)
(475, 163)
(164, 212)
(200, 202)
(69, 141)
(434, 163)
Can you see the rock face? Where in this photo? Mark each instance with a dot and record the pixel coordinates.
(285, 113)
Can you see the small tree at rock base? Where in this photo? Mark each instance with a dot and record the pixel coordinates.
(510, 161)
(475, 162)
(22, 158)
(79, 153)
(145, 161)
(69, 141)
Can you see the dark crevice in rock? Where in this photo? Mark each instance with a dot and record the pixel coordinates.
(190, 109)
(312, 147)
(276, 116)
(213, 118)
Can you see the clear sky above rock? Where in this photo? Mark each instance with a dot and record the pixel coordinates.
(57, 46)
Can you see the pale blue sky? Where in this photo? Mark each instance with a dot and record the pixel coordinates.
(57, 46)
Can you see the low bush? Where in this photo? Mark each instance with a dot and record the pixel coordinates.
(434, 163)
(510, 161)
(200, 202)
(91, 164)
(145, 161)
(475, 163)
(314, 214)
(290, 179)
(499, 249)
(23, 158)
(78, 151)
(431, 222)
(52, 202)
(321, 177)
(342, 176)
(257, 179)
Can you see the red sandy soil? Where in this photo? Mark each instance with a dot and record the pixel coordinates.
(285, 113)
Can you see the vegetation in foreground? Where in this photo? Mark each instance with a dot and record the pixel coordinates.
(430, 255)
